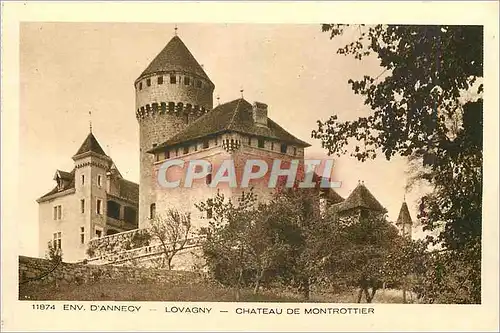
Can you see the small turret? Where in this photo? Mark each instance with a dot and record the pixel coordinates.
(404, 221)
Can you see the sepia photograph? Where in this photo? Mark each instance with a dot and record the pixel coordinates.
(396, 109)
(330, 165)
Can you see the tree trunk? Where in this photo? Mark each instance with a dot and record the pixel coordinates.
(404, 295)
(258, 279)
(238, 286)
(305, 288)
(374, 290)
(367, 295)
(360, 294)
(169, 262)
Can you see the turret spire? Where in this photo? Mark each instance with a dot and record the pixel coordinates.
(90, 121)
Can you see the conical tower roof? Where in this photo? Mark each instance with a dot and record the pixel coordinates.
(175, 56)
(90, 145)
(404, 215)
(361, 197)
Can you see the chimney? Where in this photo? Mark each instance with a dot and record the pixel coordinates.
(259, 113)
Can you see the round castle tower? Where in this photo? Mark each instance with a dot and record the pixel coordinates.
(172, 91)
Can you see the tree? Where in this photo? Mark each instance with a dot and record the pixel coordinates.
(172, 231)
(294, 218)
(419, 110)
(54, 254)
(241, 245)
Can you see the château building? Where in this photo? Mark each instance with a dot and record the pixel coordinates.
(177, 120)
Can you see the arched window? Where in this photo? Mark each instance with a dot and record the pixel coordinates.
(152, 211)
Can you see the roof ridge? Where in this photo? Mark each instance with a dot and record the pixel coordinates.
(234, 114)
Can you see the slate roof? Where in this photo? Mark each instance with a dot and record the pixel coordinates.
(90, 144)
(361, 197)
(404, 215)
(66, 186)
(175, 56)
(64, 175)
(129, 190)
(234, 116)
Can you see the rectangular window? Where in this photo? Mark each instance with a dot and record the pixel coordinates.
(148, 82)
(249, 141)
(83, 179)
(160, 79)
(283, 148)
(173, 79)
(99, 180)
(82, 235)
(205, 144)
(99, 207)
(167, 154)
(140, 85)
(294, 151)
(272, 145)
(157, 157)
(198, 84)
(98, 233)
(57, 240)
(82, 205)
(261, 143)
(186, 149)
(57, 214)
(186, 80)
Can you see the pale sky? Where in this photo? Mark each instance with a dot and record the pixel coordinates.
(68, 69)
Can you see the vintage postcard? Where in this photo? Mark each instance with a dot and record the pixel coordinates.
(290, 166)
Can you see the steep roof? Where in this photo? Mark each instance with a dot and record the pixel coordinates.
(129, 190)
(404, 215)
(175, 56)
(90, 145)
(361, 197)
(70, 176)
(234, 116)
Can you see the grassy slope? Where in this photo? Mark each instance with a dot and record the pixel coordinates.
(109, 291)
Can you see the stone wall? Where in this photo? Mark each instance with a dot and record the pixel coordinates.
(42, 271)
(120, 242)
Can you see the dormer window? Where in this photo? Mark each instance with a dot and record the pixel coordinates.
(148, 82)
